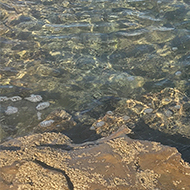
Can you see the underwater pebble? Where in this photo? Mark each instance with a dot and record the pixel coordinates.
(148, 110)
(178, 73)
(174, 48)
(3, 98)
(177, 107)
(39, 114)
(131, 78)
(11, 110)
(45, 71)
(109, 113)
(15, 98)
(42, 105)
(46, 123)
(125, 117)
(168, 113)
(34, 98)
(100, 124)
(166, 101)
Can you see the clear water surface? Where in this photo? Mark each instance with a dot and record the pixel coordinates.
(80, 54)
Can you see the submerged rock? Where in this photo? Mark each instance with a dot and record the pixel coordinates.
(163, 111)
(148, 110)
(15, 98)
(11, 110)
(3, 98)
(58, 120)
(42, 105)
(121, 82)
(109, 124)
(52, 161)
(34, 98)
(46, 123)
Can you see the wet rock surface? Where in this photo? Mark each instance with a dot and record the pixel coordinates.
(161, 117)
(115, 160)
(52, 161)
(58, 120)
(167, 111)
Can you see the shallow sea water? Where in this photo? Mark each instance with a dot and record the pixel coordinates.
(80, 54)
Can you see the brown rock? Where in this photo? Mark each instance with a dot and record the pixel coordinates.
(166, 111)
(51, 161)
(109, 124)
(58, 120)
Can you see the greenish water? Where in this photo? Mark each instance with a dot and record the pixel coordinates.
(81, 54)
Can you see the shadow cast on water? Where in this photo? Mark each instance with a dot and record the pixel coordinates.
(143, 132)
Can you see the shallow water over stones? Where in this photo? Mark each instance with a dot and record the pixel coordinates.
(85, 56)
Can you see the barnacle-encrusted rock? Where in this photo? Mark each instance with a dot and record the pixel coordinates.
(34, 98)
(167, 111)
(58, 120)
(11, 110)
(52, 161)
(3, 98)
(42, 105)
(109, 124)
(15, 98)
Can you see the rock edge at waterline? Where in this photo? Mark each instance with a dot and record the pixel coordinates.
(52, 161)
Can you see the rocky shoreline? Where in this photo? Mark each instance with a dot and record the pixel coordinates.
(48, 159)
(73, 78)
(52, 161)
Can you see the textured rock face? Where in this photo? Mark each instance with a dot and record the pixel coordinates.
(52, 161)
(58, 120)
(166, 111)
